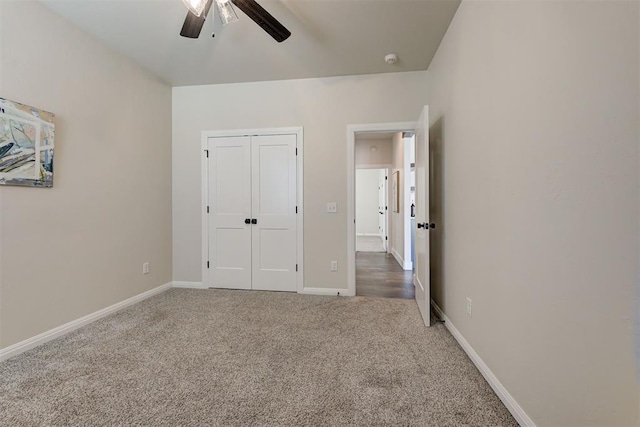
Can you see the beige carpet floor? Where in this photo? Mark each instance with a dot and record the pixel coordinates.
(216, 357)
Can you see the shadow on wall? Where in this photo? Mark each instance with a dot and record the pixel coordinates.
(436, 210)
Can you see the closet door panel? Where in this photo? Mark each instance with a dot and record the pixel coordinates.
(274, 209)
(229, 187)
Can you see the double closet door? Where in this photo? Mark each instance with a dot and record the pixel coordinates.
(251, 190)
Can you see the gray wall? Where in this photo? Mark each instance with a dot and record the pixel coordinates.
(535, 130)
(79, 247)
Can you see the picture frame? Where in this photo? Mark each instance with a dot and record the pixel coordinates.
(26, 145)
(395, 188)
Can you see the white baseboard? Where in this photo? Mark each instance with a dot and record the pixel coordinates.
(306, 291)
(397, 256)
(44, 337)
(369, 235)
(190, 285)
(516, 410)
(406, 265)
(325, 291)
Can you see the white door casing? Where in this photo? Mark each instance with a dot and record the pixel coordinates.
(259, 170)
(421, 277)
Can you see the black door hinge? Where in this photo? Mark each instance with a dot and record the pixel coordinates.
(207, 152)
(296, 209)
(207, 264)
(385, 178)
(296, 151)
(296, 267)
(386, 237)
(207, 209)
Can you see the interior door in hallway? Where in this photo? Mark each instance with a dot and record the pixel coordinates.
(421, 277)
(382, 207)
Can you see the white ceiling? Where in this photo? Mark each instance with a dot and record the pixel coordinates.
(329, 38)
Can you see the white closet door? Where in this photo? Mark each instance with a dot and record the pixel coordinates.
(274, 209)
(229, 206)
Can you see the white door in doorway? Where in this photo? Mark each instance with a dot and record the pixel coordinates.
(421, 273)
(382, 207)
(252, 212)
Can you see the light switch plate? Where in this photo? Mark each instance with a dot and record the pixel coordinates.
(332, 207)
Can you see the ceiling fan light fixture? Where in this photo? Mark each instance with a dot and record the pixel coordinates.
(195, 6)
(226, 12)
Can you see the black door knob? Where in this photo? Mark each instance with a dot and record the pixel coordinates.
(432, 225)
(254, 221)
(420, 225)
(247, 221)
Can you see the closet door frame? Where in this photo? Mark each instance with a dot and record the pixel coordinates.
(299, 132)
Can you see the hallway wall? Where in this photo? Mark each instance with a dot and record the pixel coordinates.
(396, 219)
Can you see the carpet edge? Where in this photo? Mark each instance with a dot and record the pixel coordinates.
(35, 341)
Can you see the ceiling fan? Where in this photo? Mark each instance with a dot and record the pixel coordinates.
(199, 9)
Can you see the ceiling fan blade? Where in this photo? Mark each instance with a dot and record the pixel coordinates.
(193, 24)
(264, 19)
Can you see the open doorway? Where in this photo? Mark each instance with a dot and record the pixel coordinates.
(371, 209)
(384, 237)
(421, 261)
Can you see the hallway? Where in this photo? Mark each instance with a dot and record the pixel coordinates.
(380, 275)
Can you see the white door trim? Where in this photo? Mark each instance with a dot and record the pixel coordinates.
(351, 202)
(299, 132)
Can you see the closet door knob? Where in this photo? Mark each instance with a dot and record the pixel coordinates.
(254, 221)
(247, 221)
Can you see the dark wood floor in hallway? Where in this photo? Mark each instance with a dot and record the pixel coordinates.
(380, 275)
